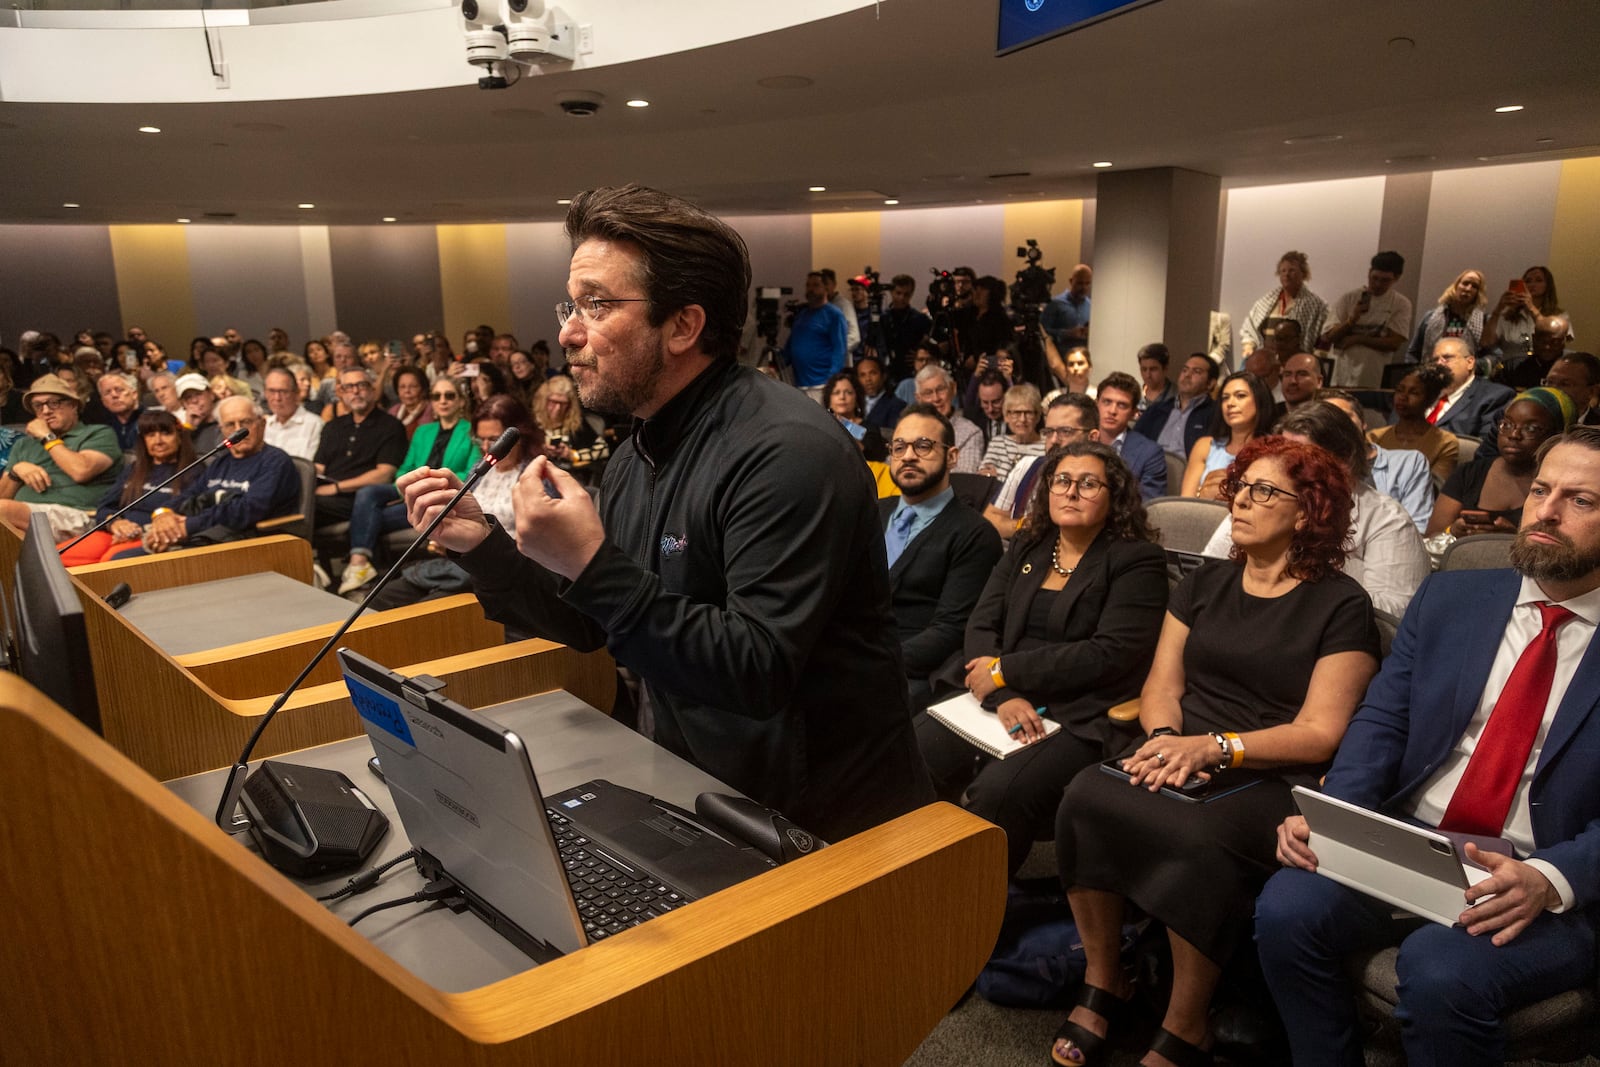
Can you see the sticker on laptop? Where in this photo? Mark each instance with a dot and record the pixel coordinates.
(379, 708)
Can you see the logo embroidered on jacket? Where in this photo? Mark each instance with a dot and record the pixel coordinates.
(672, 546)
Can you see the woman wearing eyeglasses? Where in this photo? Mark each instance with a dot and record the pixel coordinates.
(376, 509)
(1064, 629)
(1486, 494)
(1269, 710)
(414, 407)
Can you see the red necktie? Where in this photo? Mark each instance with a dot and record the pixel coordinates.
(1483, 796)
(1438, 409)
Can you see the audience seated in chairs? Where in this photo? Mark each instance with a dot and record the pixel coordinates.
(365, 447)
(289, 425)
(1069, 417)
(446, 442)
(1414, 396)
(1262, 660)
(1399, 473)
(437, 576)
(61, 466)
(1486, 494)
(246, 484)
(412, 406)
(1117, 400)
(1244, 412)
(940, 551)
(1023, 414)
(163, 448)
(1448, 749)
(569, 440)
(1064, 629)
(1184, 416)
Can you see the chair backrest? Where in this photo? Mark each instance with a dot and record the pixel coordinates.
(303, 526)
(973, 490)
(1374, 418)
(1186, 523)
(1388, 626)
(1175, 467)
(1469, 448)
(1480, 552)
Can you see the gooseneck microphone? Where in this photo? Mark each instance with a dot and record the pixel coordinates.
(236, 776)
(232, 439)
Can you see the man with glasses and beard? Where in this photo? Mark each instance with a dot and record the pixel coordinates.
(940, 551)
(1484, 721)
(735, 563)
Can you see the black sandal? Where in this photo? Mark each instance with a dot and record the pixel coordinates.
(1179, 1051)
(1090, 1045)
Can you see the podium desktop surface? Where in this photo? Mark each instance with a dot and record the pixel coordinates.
(229, 611)
(568, 743)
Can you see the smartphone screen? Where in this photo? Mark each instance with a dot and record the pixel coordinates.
(1518, 285)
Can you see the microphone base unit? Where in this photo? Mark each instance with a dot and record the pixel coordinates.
(308, 821)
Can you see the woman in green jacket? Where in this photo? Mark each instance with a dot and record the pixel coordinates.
(377, 509)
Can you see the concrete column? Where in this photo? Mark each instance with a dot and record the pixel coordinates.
(1156, 274)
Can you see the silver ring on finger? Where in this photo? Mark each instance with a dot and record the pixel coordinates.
(1161, 758)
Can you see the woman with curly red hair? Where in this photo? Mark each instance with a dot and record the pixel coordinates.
(1262, 661)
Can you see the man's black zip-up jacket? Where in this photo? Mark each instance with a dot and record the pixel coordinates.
(743, 578)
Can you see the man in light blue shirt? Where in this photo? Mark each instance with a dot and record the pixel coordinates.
(1066, 318)
(1400, 473)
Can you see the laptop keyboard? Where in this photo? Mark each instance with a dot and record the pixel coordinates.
(609, 900)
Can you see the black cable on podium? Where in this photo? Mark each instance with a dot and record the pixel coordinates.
(236, 776)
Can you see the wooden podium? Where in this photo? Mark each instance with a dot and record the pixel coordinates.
(136, 931)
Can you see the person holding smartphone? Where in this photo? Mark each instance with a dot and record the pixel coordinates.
(1486, 494)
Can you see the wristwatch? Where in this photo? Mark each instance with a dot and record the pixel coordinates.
(49, 437)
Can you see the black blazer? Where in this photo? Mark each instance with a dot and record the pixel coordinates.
(886, 412)
(1196, 424)
(1103, 630)
(936, 581)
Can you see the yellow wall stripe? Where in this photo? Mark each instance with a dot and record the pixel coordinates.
(474, 279)
(846, 241)
(152, 266)
(1575, 247)
(1058, 227)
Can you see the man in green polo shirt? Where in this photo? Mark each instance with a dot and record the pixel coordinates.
(62, 467)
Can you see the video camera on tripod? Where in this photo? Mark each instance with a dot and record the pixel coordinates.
(1030, 294)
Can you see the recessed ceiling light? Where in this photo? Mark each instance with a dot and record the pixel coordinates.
(1506, 109)
(817, 189)
(1314, 138)
(890, 202)
(149, 129)
(70, 204)
(638, 103)
(563, 201)
(390, 218)
(305, 207)
(185, 220)
(1102, 165)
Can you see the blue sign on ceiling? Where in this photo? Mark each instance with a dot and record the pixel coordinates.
(1025, 22)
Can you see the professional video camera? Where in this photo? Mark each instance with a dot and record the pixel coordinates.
(1031, 294)
(874, 339)
(769, 305)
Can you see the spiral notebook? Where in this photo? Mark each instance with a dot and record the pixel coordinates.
(980, 728)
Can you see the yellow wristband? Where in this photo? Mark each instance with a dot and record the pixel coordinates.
(994, 673)
(1236, 743)
(158, 512)
(48, 445)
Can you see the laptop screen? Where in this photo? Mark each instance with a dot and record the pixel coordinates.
(468, 798)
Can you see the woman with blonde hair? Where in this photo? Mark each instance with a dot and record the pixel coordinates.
(1459, 313)
(569, 439)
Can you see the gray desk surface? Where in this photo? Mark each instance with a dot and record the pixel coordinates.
(193, 618)
(569, 743)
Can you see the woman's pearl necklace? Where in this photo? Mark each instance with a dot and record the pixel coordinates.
(1055, 562)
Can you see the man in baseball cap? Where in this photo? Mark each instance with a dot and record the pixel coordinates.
(62, 467)
(199, 403)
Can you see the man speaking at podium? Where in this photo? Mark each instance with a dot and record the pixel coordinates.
(736, 563)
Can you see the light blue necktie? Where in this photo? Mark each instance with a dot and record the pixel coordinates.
(899, 533)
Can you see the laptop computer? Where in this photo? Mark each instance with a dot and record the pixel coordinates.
(1414, 868)
(551, 874)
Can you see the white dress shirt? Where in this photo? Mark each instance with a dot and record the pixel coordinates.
(1572, 640)
(299, 436)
